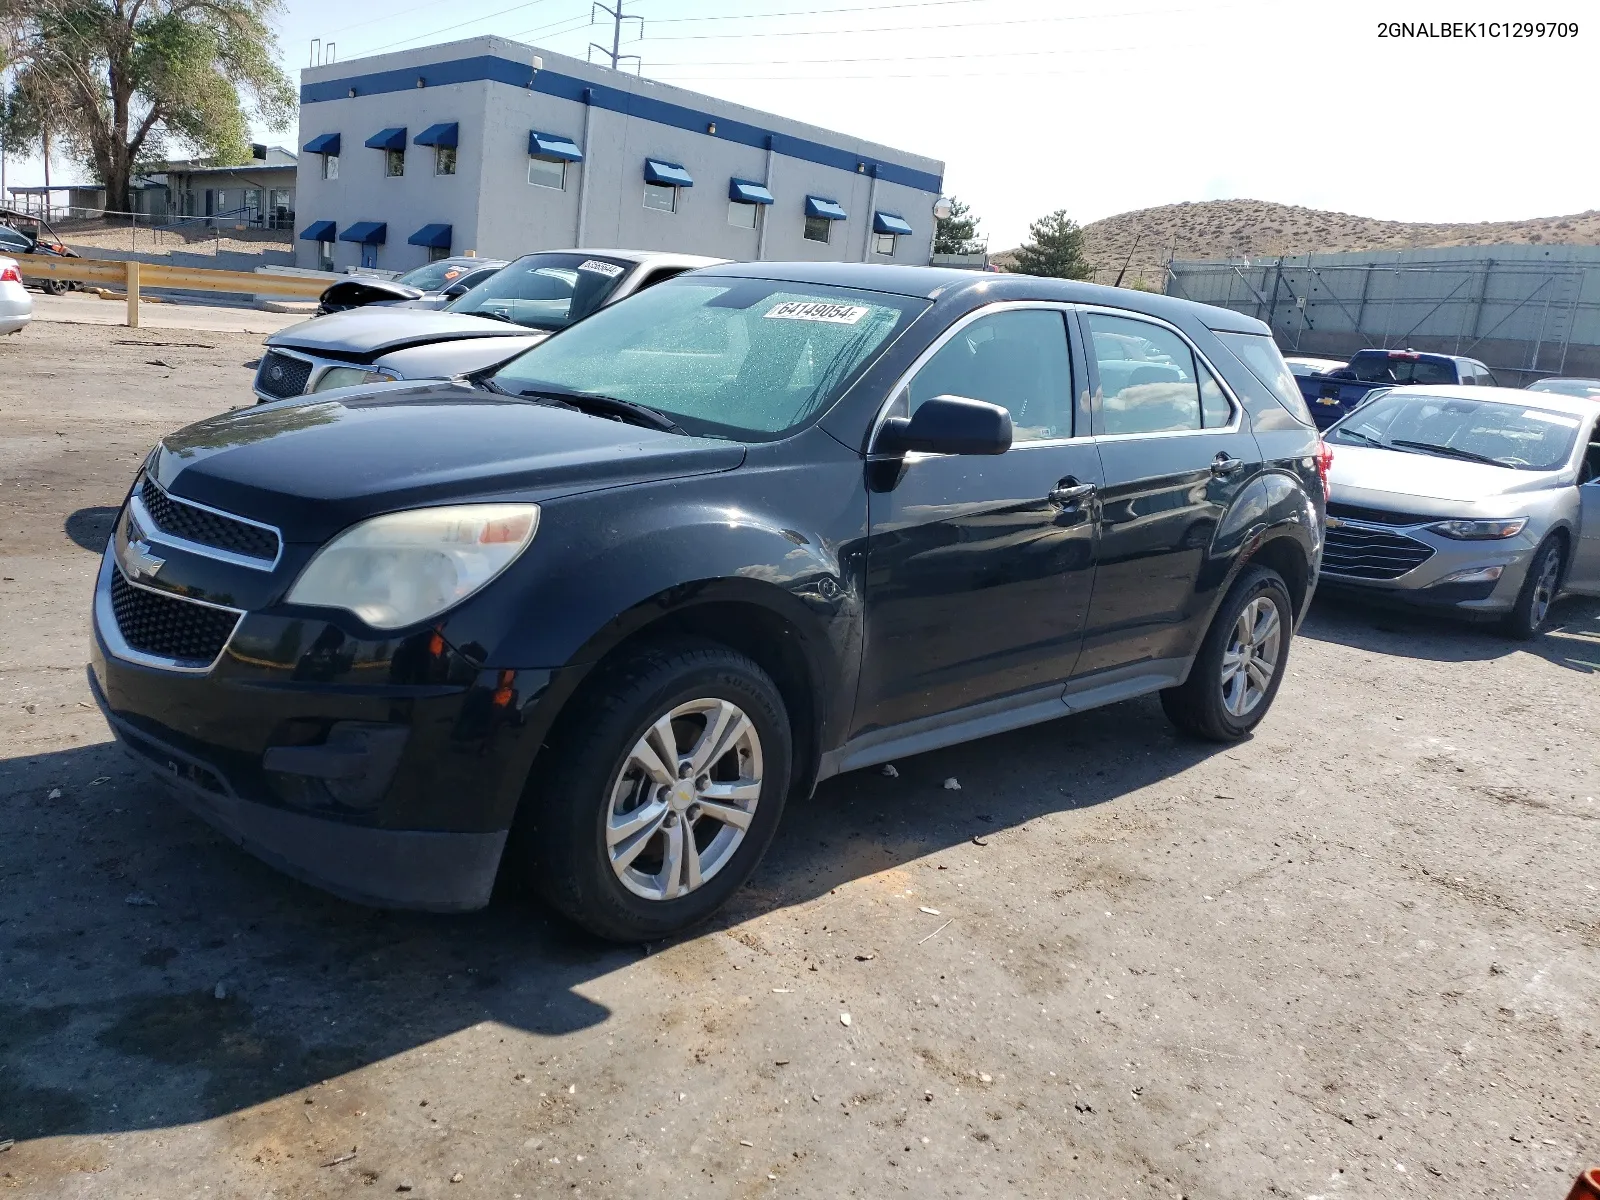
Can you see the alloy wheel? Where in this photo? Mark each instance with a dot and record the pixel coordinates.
(1544, 588)
(684, 799)
(1251, 659)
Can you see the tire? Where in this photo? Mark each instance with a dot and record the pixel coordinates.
(1207, 705)
(1539, 590)
(53, 287)
(590, 777)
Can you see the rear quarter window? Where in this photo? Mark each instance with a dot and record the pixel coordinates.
(1262, 358)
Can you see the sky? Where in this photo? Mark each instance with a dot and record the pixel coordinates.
(1082, 105)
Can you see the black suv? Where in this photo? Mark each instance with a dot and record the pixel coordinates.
(591, 620)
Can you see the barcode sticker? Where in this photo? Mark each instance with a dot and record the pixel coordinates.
(609, 270)
(817, 310)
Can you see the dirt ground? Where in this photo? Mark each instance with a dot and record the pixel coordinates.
(1358, 955)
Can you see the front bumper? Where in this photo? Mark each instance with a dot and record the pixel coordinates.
(384, 772)
(1435, 582)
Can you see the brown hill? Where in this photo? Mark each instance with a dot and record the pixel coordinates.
(1258, 228)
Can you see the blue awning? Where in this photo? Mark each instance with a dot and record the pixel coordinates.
(746, 192)
(320, 231)
(388, 139)
(553, 145)
(442, 134)
(656, 171)
(828, 210)
(883, 222)
(373, 233)
(437, 236)
(328, 143)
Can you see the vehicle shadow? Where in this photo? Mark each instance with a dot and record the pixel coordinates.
(153, 974)
(1571, 638)
(90, 528)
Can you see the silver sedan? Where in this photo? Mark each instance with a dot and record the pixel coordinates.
(16, 306)
(1485, 501)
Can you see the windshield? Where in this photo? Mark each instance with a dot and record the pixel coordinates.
(1507, 435)
(545, 291)
(435, 276)
(1383, 369)
(749, 359)
(1568, 387)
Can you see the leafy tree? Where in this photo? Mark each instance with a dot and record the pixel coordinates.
(119, 82)
(957, 233)
(1054, 249)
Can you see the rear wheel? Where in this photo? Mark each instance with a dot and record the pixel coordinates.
(1539, 589)
(1236, 674)
(53, 287)
(662, 790)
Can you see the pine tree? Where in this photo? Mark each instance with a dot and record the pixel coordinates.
(1054, 249)
(957, 233)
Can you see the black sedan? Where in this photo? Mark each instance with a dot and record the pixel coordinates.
(594, 619)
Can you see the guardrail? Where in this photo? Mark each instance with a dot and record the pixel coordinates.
(133, 275)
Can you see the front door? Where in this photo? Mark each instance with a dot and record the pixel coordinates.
(980, 567)
(1176, 452)
(369, 255)
(1584, 574)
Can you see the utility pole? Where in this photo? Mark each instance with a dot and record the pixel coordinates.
(617, 18)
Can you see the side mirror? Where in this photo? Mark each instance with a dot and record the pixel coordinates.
(456, 289)
(948, 425)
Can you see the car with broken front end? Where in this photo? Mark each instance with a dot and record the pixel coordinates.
(592, 620)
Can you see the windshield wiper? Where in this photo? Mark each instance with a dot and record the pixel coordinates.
(605, 406)
(491, 314)
(1449, 452)
(1368, 438)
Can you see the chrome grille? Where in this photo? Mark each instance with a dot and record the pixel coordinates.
(170, 627)
(282, 375)
(194, 524)
(1371, 553)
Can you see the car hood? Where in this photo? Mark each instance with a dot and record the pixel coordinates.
(1368, 473)
(315, 466)
(371, 330)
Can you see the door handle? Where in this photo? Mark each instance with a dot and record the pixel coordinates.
(1225, 464)
(1070, 491)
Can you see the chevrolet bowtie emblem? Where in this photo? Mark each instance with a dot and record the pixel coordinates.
(1334, 523)
(139, 563)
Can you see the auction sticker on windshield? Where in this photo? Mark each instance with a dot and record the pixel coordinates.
(609, 270)
(1550, 418)
(817, 310)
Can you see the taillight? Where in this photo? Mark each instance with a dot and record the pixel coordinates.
(1324, 465)
(10, 275)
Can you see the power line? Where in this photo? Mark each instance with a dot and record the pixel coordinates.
(790, 62)
(815, 12)
(1160, 12)
(617, 18)
(457, 25)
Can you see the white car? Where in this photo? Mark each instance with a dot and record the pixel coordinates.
(1300, 365)
(16, 306)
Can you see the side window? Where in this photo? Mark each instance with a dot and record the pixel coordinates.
(1214, 407)
(1018, 360)
(1147, 377)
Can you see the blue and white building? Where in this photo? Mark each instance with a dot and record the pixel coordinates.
(496, 148)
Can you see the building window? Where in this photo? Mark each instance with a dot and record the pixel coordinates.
(548, 172)
(324, 256)
(818, 229)
(742, 215)
(661, 197)
(394, 163)
(330, 166)
(435, 253)
(444, 160)
(369, 255)
(884, 244)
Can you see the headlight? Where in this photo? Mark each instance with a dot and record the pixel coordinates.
(402, 568)
(1474, 531)
(337, 377)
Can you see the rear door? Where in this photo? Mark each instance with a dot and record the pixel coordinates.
(1176, 452)
(1584, 574)
(980, 567)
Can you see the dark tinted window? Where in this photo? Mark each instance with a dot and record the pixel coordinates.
(1375, 369)
(1147, 377)
(1018, 360)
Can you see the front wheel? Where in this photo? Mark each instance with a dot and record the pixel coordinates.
(1539, 589)
(53, 287)
(1240, 664)
(663, 787)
